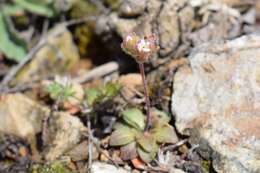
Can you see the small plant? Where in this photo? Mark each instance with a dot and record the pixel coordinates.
(101, 93)
(138, 135)
(141, 50)
(130, 136)
(60, 89)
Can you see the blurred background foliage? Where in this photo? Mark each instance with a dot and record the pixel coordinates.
(22, 19)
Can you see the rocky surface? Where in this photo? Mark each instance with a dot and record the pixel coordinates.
(216, 101)
(57, 55)
(179, 24)
(23, 117)
(70, 130)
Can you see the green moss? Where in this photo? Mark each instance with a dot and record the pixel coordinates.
(83, 8)
(83, 33)
(206, 165)
(113, 4)
(53, 168)
(22, 20)
(84, 36)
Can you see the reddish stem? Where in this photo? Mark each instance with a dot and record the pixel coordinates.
(147, 100)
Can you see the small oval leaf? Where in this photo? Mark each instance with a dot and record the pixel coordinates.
(147, 142)
(121, 137)
(128, 151)
(135, 118)
(165, 134)
(146, 156)
(10, 47)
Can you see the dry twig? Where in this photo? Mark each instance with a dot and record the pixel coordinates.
(174, 146)
(97, 72)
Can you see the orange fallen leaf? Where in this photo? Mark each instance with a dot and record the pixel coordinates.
(23, 151)
(138, 163)
(71, 108)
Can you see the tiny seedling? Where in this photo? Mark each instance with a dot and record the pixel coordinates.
(60, 90)
(102, 93)
(130, 136)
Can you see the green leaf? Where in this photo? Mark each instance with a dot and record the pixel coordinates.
(165, 134)
(135, 118)
(67, 92)
(59, 92)
(119, 125)
(92, 95)
(111, 89)
(9, 47)
(36, 7)
(145, 156)
(54, 89)
(122, 136)
(12, 10)
(147, 142)
(128, 151)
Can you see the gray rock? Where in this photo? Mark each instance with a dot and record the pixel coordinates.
(176, 171)
(99, 167)
(131, 8)
(216, 100)
(65, 131)
(168, 27)
(178, 24)
(21, 116)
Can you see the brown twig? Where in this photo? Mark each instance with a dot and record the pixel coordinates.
(18, 67)
(90, 147)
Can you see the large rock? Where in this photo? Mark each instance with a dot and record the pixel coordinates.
(216, 100)
(21, 116)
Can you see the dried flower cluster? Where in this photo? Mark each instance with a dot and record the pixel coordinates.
(140, 48)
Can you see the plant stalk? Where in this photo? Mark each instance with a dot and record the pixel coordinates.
(147, 100)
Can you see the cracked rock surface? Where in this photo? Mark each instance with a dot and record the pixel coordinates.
(179, 24)
(216, 101)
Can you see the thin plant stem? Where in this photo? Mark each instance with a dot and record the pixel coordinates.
(90, 138)
(89, 144)
(147, 100)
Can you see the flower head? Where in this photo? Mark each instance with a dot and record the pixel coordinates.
(139, 48)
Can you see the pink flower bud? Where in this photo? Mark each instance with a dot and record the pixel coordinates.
(139, 48)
